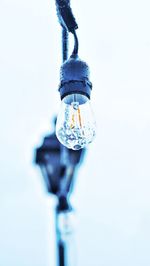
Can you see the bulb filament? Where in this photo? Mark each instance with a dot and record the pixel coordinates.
(75, 106)
(79, 114)
(73, 122)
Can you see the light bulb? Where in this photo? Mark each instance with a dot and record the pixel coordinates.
(75, 126)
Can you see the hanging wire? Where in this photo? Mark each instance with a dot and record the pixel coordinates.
(76, 45)
(64, 44)
(68, 24)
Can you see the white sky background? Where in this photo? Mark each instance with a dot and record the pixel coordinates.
(111, 194)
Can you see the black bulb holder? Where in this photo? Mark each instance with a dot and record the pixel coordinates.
(74, 78)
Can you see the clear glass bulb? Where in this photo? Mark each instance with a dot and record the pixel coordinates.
(75, 126)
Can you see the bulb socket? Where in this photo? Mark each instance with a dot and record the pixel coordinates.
(74, 78)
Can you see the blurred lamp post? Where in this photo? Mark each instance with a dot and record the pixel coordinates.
(58, 166)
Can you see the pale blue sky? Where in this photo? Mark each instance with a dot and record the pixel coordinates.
(111, 195)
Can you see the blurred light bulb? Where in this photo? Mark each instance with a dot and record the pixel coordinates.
(75, 126)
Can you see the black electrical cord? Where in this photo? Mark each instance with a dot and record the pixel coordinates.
(76, 45)
(68, 23)
(65, 15)
(64, 44)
